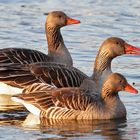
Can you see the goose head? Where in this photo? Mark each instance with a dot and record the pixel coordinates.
(114, 47)
(114, 83)
(59, 19)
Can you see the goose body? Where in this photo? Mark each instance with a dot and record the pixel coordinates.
(79, 103)
(21, 76)
(57, 51)
(60, 75)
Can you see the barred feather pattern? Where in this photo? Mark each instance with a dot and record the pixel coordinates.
(79, 102)
(102, 63)
(65, 103)
(54, 74)
(57, 50)
(27, 56)
(22, 56)
(54, 37)
(38, 87)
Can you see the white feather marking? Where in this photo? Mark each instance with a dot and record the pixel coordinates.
(9, 90)
(31, 108)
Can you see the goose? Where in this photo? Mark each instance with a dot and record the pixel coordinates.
(57, 51)
(20, 76)
(79, 103)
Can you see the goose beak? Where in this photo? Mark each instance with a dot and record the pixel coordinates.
(70, 21)
(129, 88)
(129, 49)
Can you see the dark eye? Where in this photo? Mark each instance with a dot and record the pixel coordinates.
(117, 43)
(120, 81)
(133, 83)
(60, 16)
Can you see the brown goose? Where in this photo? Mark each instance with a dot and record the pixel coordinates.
(79, 103)
(111, 48)
(57, 51)
(38, 87)
(20, 76)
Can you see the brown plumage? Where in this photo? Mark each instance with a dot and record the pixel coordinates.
(38, 87)
(59, 75)
(110, 49)
(18, 75)
(57, 51)
(80, 103)
(65, 76)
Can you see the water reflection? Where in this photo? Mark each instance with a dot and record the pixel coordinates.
(22, 26)
(97, 129)
(111, 129)
(6, 102)
(12, 115)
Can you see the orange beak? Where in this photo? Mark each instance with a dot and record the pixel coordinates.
(129, 88)
(129, 49)
(72, 21)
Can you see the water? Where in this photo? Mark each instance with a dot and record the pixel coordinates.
(22, 25)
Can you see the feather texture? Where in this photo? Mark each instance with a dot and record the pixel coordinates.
(79, 103)
(54, 74)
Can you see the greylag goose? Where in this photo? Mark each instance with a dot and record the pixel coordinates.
(17, 75)
(79, 103)
(57, 51)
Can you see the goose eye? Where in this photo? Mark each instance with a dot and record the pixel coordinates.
(117, 43)
(120, 81)
(133, 83)
(60, 16)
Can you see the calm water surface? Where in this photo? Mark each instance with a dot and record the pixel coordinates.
(22, 25)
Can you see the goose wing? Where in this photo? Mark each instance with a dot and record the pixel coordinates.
(70, 98)
(22, 56)
(22, 75)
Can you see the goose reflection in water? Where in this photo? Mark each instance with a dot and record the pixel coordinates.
(110, 129)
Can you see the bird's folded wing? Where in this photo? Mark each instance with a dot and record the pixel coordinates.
(38, 87)
(22, 56)
(21, 75)
(70, 98)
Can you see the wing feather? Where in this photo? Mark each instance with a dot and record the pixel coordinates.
(50, 73)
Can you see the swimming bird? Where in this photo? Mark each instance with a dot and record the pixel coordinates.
(79, 103)
(21, 76)
(57, 51)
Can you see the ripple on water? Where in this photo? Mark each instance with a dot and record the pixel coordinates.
(22, 25)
